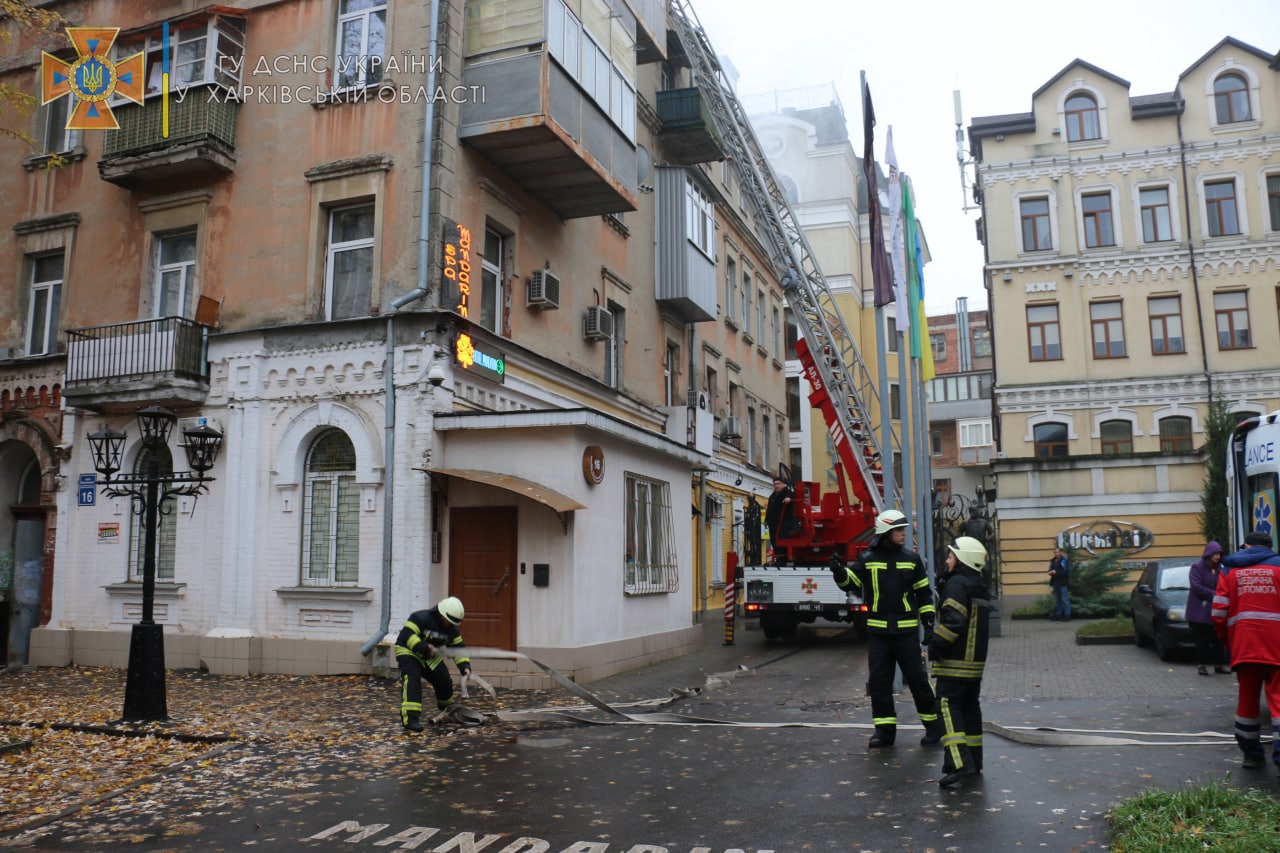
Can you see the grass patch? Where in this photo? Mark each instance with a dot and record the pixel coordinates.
(1117, 626)
(1208, 817)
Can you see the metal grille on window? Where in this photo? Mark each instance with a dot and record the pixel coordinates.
(166, 524)
(651, 566)
(331, 513)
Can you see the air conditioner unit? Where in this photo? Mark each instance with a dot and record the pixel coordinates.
(597, 324)
(731, 428)
(544, 290)
(698, 400)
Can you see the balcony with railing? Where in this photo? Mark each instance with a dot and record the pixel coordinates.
(200, 145)
(689, 132)
(115, 367)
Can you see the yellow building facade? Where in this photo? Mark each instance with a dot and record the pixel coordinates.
(1133, 268)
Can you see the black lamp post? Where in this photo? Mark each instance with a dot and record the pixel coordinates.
(144, 693)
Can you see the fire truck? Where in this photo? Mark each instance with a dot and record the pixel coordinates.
(783, 593)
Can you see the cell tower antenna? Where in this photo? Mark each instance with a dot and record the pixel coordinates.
(963, 161)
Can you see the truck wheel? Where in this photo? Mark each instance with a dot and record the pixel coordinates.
(789, 628)
(770, 625)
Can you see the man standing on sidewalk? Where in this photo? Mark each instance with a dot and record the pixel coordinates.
(895, 586)
(1060, 583)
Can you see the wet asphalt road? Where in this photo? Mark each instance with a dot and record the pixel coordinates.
(795, 775)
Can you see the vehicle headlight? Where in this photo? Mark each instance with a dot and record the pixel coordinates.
(1177, 614)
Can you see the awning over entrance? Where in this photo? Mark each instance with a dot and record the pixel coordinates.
(529, 489)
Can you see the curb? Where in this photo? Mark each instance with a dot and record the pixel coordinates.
(1104, 641)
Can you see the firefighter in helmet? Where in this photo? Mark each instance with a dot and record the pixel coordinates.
(418, 646)
(895, 586)
(958, 649)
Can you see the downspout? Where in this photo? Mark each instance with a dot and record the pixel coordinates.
(389, 442)
(1191, 251)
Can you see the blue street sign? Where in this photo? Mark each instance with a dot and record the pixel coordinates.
(88, 489)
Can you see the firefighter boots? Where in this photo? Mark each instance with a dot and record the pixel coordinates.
(933, 733)
(883, 737)
(413, 723)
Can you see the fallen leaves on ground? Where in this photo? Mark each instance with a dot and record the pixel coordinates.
(80, 750)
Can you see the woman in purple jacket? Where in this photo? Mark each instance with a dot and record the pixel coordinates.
(1204, 583)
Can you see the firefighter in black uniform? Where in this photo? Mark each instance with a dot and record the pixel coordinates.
(958, 649)
(425, 632)
(895, 586)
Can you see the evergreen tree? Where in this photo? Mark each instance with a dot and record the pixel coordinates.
(1218, 426)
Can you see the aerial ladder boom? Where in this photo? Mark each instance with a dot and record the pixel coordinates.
(840, 382)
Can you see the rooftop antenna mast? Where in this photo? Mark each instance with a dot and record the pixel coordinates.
(963, 160)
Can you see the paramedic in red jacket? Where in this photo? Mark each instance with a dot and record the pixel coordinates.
(1246, 615)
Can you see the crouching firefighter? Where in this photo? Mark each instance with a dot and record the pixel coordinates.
(418, 646)
(895, 585)
(958, 649)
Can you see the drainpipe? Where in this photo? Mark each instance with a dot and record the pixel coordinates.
(424, 234)
(1191, 252)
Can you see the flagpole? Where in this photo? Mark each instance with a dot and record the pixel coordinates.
(882, 285)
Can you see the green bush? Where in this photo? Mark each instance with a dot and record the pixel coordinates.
(1092, 584)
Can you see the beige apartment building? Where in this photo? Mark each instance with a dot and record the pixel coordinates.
(805, 134)
(1132, 252)
(468, 292)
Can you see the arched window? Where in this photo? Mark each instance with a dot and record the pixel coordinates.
(1175, 435)
(331, 513)
(1231, 99)
(789, 189)
(1082, 118)
(1050, 439)
(1117, 438)
(166, 523)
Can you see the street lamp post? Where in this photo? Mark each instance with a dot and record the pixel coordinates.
(144, 693)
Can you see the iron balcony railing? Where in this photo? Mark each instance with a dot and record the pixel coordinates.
(166, 347)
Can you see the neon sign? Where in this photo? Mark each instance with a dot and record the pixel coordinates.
(457, 272)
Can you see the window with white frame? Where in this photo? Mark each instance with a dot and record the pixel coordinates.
(613, 346)
(361, 43)
(202, 52)
(43, 303)
(1157, 221)
(598, 51)
(54, 136)
(746, 302)
(331, 513)
(1044, 336)
(166, 522)
(762, 315)
(176, 275)
(348, 287)
(700, 218)
(671, 375)
(975, 433)
(650, 565)
(730, 288)
(493, 280)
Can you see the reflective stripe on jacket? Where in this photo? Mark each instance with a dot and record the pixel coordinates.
(895, 586)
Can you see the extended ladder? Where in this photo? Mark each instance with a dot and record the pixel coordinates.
(833, 365)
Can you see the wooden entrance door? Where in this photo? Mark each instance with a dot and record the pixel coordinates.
(482, 572)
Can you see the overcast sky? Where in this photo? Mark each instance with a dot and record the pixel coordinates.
(996, 52)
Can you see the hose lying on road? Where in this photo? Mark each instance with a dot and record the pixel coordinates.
(1032, 735)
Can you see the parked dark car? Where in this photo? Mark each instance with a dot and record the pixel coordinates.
(1158, 605)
